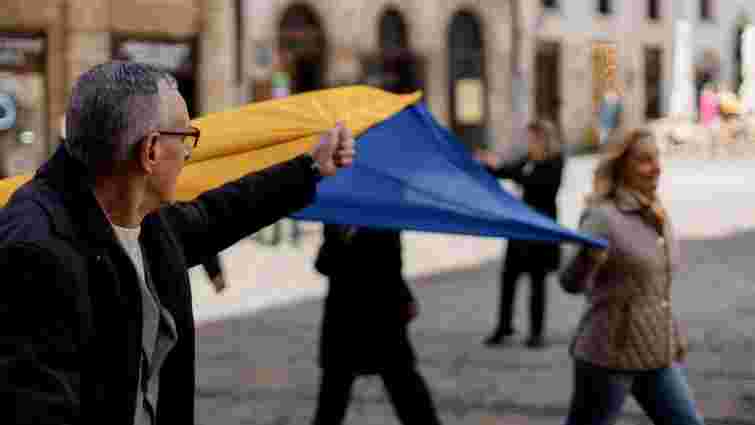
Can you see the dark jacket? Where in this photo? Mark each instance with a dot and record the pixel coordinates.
(540, 182)
(70, 314)
(364, 326)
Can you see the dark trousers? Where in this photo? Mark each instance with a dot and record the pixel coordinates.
(509, 281)
(406, 390)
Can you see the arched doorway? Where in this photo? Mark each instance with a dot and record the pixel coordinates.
(302, 49)
(399, 65)
(467, 82)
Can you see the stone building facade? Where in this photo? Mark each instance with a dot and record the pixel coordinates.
(486, 66)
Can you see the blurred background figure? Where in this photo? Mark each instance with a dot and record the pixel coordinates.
(539, 174)
(709, 112)
(365, 322)
(609, 115)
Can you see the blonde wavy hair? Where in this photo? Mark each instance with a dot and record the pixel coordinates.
(547, 130)
(608, 172)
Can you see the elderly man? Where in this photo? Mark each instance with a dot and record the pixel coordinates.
(96, 317)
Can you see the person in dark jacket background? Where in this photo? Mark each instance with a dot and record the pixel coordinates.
(97, 325)
(365, 324)
(539, 175)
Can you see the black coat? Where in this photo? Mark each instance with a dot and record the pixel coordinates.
(70, 314)
(364, 325)
(540, 182)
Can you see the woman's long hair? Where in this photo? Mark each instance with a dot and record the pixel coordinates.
(547, 130)
(608, 172)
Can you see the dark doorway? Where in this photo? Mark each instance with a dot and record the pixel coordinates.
(738, 33)
(467, 85)
(548, 81)
(400, 68)
(302, 48)
(653, 78)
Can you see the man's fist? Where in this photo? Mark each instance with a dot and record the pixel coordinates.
(335, 150)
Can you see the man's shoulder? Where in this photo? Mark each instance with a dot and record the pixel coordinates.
(27, 217)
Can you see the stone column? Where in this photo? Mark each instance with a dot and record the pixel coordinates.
(216, 56)
(576, 85)
(57, 78)
(88, 36)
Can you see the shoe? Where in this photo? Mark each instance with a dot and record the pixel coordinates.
(536, 343)
(498, 337)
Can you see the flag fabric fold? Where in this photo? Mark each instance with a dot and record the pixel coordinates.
(410, 172)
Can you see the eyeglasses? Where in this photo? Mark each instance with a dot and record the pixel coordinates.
(190, 137)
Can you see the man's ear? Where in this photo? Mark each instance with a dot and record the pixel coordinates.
(149, 153)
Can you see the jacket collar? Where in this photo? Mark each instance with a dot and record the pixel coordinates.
(83, 216)
(626, 202)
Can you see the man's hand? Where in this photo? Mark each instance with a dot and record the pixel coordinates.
(335, 150)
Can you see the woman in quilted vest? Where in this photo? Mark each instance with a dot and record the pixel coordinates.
(628, 341)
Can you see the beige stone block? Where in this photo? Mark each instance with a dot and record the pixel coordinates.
(29, 14)
(178, 19)
(89, 15)
(85, 50)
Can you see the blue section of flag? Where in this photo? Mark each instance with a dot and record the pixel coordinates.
(411, 173)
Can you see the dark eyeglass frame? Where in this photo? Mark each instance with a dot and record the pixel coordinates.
(186, 132)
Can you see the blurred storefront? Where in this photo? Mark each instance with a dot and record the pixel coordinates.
(23, 110)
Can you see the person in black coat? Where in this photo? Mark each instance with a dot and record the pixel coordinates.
(365, 324)
(539, 175)
(96, 322)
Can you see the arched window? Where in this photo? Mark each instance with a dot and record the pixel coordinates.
(302, 48)
(605, 7)
(467, 85)
(654, 10)
(392, 32)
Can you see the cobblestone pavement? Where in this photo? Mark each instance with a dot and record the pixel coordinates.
(257, 344)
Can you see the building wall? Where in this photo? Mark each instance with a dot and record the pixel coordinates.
(353, 27)
(717, 35)
(576, 25)
(79, 35)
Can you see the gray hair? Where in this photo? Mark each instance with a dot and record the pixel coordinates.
(112, 105)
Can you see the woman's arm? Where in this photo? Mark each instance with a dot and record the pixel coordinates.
(581, 270)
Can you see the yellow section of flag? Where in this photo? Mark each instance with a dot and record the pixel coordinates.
(256, 136)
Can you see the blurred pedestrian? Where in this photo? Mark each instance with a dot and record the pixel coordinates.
(539, 174)
(628, 341)
(709, 106)
(609, 115)
(97, 326)
(365, 322)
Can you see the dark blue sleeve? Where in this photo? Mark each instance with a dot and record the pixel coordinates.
(221, 217)
(39, 354)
